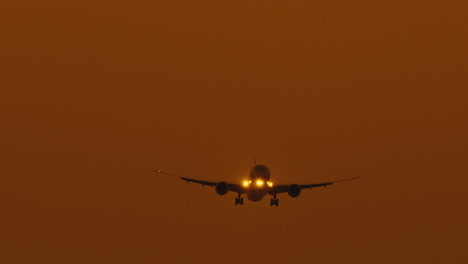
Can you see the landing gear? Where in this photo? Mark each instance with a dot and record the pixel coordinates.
(239, 200)
(274, 201)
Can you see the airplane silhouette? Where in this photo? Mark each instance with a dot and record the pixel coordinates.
(257, 186)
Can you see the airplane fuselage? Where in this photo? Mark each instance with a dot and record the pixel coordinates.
(259, 185)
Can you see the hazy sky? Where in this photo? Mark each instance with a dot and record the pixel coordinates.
(94, 94)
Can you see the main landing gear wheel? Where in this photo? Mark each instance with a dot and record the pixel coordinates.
(239, 200)
(274, 201)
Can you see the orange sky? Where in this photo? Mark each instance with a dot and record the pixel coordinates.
(94, 94)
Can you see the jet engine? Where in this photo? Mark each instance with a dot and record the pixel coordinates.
(221, 188)
(294, 190)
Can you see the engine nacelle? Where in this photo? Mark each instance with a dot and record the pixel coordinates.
(221, 188)
(294, 190)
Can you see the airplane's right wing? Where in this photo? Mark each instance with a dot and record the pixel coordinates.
(223, 185)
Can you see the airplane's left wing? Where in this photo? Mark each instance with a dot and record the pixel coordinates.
(230, 187)
(285, 188)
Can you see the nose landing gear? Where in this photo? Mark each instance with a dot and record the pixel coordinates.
(274, 201)
(239, 200)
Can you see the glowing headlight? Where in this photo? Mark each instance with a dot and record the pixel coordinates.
(245, 183)
(270, 184)
(259, 183)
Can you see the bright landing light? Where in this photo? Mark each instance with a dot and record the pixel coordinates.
(259, 183)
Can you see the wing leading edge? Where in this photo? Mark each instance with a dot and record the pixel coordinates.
(284, 188)
(231, 187)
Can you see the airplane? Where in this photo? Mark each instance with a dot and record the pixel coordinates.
(257, 186)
